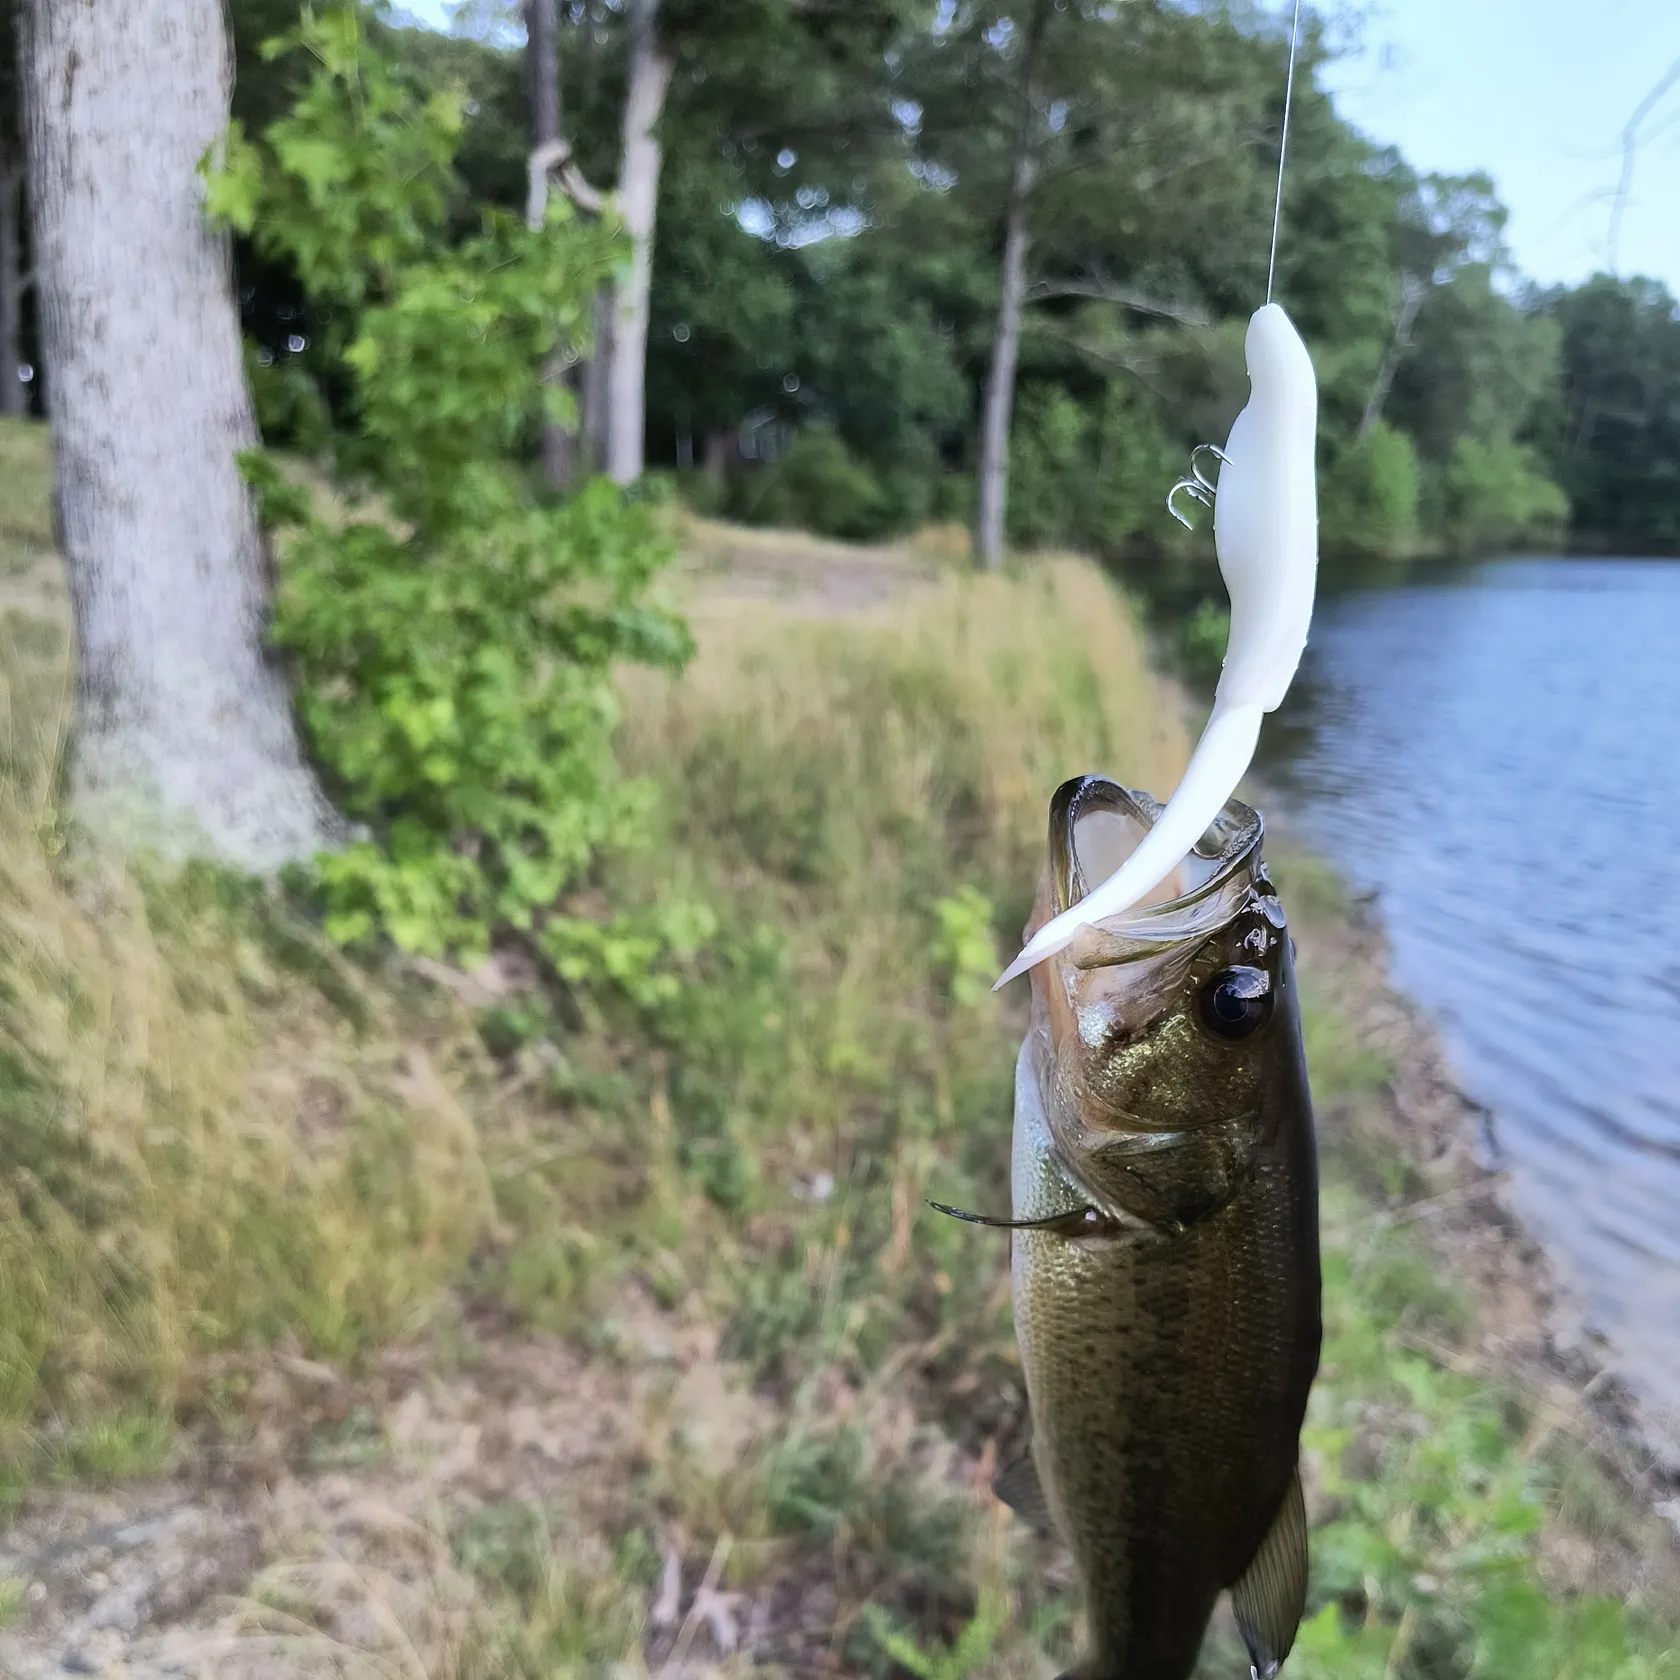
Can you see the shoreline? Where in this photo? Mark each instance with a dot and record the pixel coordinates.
(1531, 1333)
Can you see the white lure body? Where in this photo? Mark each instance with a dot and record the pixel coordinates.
(1265, 530)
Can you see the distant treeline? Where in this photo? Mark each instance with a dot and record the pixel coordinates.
(829, 250)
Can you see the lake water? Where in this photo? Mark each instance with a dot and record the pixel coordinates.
(1496, 753)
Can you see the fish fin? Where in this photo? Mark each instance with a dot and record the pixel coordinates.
(1080, 1221)
(1019, 1487)
(1271, 1593)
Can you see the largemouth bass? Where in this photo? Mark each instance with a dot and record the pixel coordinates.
(1165, 1256)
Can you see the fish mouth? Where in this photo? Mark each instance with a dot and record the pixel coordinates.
(1096, 823)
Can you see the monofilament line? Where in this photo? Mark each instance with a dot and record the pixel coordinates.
(1283, 145)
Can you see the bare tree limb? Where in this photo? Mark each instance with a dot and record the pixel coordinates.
(992, 474)
(551, 163)
(1413, 290)
(1104, 291)
(1630, 147)
(1143, 368)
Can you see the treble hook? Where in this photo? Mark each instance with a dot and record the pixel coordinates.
(1195, 486)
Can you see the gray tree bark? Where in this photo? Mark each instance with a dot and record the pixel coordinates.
(185, 737)
(594, 375)
(992, 488)
(1413, 290)
(14, 395)
(542, 69)
(638, 198)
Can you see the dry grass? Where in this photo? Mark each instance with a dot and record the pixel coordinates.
(713, 1392)
(220, 1134)
(213, 1127)
(946, 711)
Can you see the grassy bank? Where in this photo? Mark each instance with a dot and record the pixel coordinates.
(509, 1329)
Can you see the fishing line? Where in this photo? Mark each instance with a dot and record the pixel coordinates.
(1283, 144)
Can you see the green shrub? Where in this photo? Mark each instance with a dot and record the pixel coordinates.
(1049, 470)
(1368, 500)
(452, 656)
(1497, 493)
(818, 485)
(1089, 475)
(1202, 639)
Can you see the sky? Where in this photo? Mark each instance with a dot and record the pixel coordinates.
(1535, 92)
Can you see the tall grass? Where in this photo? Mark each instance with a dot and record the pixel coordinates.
(217, 1133)
(212, 1129)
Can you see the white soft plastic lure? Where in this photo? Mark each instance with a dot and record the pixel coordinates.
(1265, 529)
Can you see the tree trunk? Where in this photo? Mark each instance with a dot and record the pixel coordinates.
(14, 395)
(593, 378)
(638, 198)
(1412, 294)
(542, 72)
(185, 736)
(719, 441)
(993, 486)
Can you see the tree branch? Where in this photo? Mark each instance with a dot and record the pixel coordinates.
(1141, 368)
(1630, 145)
(1104, 291)
(1414, 289)
(552, 162)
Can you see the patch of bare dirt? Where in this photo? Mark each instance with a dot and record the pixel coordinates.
(317, 1540)
(799, 572)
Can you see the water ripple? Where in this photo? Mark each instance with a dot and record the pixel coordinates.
(1496, 754)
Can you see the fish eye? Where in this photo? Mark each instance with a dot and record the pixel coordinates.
(1237, 1002)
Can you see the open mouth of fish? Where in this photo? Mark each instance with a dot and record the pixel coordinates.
(1096, 824)
(1148, 1025)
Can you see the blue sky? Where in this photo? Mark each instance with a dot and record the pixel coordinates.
(1536, 92)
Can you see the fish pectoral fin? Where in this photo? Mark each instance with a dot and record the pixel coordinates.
(1270, 1595)
(1078, 1222)
(1019, 1487)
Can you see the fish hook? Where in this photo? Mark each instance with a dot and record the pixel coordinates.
(1197, 487)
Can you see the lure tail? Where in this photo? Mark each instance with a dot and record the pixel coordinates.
(1217, 765)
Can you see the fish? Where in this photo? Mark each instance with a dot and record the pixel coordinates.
(1164, 1244)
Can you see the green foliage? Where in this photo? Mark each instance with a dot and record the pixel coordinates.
(116, 1449)
(824, 261)
(1478, 366)
(452, 657)
(966, 946)
(956, 1661)
(1088, 475)
(1203, 638)
(353, 181)
(819, 485)
(1616, 441)
(458, 699)
(1496, 493)
(1368, 498)
(1427, 1568)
